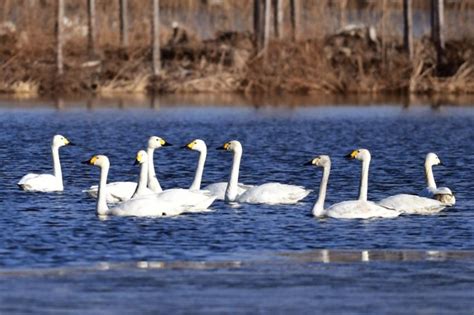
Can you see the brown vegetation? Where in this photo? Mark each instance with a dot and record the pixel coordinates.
(205, 59)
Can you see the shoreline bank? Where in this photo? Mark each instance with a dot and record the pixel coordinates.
(340, 64)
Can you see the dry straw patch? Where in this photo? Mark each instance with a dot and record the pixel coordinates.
(137, 85)
(215, 83)
(26, 88)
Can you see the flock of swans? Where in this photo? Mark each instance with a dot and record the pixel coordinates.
(147, 198)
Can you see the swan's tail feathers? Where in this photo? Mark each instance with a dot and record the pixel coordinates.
(300, 194)
(92, 191)
(446, 199)
(202, 205)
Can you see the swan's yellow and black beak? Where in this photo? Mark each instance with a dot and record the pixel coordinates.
(352, 155)
(138, 159)
(91, 161)
(67, 142)
(190, 145)
(165, 143)
(225, 147)
(309, 162)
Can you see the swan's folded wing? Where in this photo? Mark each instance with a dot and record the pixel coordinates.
(190, 200)
(356, 209)
(27, 177)
(147, 207)
(218, 189)
(274, 193)
(40, 182)
(116, 191)
(412, 204)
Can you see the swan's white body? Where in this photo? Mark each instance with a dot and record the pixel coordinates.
(116, 191)
(122, 191)
(192, 201)
(412, 204)
(352, 209)
(163, 204)
(216, 189)
(442, 194)
(269, 193)
(47, 182)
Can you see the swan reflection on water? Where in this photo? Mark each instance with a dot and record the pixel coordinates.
(352, 256)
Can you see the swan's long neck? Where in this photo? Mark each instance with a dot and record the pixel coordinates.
(102, 208)
(364, 179)
(142, 180)
(153, 183)
(57, 164)
(318, 209)
(231, 191)
(429, 176)
(196, 185)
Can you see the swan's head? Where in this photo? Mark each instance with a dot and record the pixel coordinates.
(60, 141)
(321, 161)
(141, 158)
(156, 142)
(233, 146)
(197, 145)
(98, 160)
(432, 159)
(359, 154)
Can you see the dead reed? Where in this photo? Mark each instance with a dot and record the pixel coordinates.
(217, 54)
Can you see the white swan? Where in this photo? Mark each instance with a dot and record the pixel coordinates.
(47, 182)
(353, 209)
(148, 205)
(269, 193)
(188, 201)
(122, 191)
(412, 204)
(154, 143)
(442, 194)
(217, 189)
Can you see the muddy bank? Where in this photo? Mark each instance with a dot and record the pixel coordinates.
(343, 63)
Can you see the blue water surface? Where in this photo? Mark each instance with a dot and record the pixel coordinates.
(46, 240)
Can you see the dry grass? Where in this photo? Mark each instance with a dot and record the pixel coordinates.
(20, 88)
(207, 63)
(137, 85)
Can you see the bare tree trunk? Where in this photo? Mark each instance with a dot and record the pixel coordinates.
(268, 19)
(295, 16)
(343, 13)
(437, 26)
(278, 18)
(258, 23)
(155, 37)
(123, 23)
(408, 27)
(6, 10)
(384, 34)
(59, 36)
(91, 29)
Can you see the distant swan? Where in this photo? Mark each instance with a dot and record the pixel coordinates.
(442, 194)
(148, 205)
(353, 209)
(412, 204)
(269, 193)
(217, 189)
(47, 182)
(122, 191)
